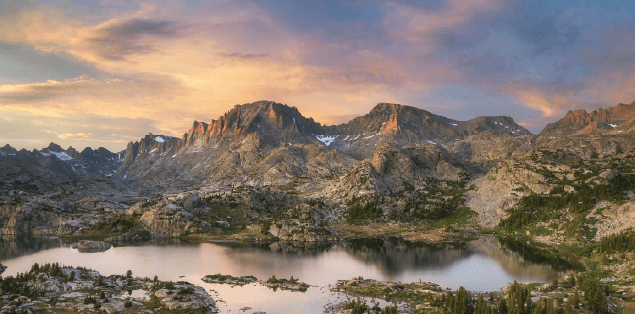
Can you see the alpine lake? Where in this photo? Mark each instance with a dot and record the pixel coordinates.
(483, 264)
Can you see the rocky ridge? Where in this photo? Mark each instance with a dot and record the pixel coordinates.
(612, 120)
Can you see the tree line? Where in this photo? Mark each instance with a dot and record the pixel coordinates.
(623, 241)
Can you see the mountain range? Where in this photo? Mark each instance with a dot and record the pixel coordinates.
(268, 143)
(67, 161)
(394, 163)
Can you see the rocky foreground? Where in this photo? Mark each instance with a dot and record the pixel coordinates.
(567, 295)
(56, 288)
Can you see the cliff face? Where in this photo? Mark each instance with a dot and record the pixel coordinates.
(270, 120)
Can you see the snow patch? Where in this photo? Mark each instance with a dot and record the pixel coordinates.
(61, 155)
(612, 125)
(454, 124)
(45, 154)
(159, 139)
(431, 142)
(327, 140)
(382, 127)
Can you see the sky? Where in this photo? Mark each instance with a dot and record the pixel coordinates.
(105, 72)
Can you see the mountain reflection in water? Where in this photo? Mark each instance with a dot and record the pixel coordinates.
(379, 258)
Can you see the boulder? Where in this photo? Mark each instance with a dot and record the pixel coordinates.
(87, 246)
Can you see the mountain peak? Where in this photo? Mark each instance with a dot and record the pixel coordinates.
(54, 148)
(262, 117)
(390, 107)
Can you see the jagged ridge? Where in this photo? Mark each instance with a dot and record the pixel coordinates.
(67, 161)
(599, 121)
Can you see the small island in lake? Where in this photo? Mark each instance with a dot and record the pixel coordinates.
(230, 280)
(292, 284)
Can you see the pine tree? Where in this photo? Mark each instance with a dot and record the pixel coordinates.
(502, 306)
(576, 299)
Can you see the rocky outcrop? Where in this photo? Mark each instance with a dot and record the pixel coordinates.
(30, 218)
(165, 219)
(614, 218)
(298, 231)
(188, 298)
(87, 246)
(500, 190)
(82, 290)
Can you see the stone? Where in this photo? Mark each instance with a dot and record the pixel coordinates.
(87, 246)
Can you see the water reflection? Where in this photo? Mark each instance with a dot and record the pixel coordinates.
(14, 246)
(380, 258)
(394, 256)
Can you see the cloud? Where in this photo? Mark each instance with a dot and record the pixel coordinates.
(31, 131)
(173, 63)
(244, 56)
(37, 92)
(116, 39)
(417, 24)
(47, 30)
(86, 137)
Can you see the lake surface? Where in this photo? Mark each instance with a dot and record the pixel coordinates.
(484, 264)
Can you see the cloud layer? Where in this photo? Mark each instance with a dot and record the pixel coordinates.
(162, 64)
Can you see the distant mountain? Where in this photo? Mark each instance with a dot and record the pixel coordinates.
(408, 124)
(599, 121)
(67, 161)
